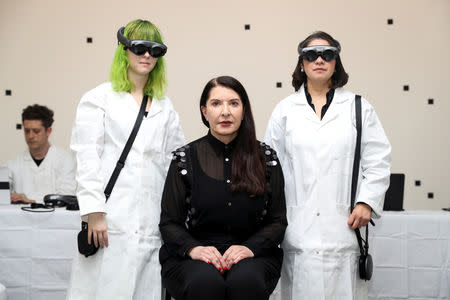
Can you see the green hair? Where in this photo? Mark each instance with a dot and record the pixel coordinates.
(156, 83)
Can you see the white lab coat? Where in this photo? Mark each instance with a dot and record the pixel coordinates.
(55, 174)
(316, 155)
(129, 268)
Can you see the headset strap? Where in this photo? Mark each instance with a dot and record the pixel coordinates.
(121, 162)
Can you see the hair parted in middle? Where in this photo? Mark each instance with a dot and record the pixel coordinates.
(247, 160)
(339, 78)
(156, 83)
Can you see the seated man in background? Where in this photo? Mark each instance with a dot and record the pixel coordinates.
(43, 168)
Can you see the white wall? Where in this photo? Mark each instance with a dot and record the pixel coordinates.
(44, 58)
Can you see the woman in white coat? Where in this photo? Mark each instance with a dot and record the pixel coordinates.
(126, 227)
(314, 134)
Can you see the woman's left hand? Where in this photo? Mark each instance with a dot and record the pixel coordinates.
(236, 253)
(360, 216)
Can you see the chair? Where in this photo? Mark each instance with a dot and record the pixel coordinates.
(393, 200)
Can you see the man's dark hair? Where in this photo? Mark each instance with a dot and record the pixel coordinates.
(38, 112)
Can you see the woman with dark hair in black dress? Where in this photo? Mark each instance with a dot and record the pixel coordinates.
(223, 208)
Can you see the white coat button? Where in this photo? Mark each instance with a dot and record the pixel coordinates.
(318, 214)
(317, 252)
(135, 232)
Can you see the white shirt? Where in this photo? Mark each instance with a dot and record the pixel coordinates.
(55, 174)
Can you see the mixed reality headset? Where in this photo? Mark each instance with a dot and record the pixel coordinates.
(328, 53)
(140, 47)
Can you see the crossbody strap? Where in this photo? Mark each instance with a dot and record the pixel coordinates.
(363, 249)
(357, 157)
(121, 162)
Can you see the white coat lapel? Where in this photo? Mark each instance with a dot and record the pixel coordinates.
(300, 100)
(155, 107)
(335, 107)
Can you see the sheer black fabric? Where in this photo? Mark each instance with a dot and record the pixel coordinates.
(199, 210)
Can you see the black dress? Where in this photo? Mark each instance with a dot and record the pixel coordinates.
(198, 209)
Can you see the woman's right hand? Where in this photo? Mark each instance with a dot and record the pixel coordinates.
(209, 255)
(97, 229)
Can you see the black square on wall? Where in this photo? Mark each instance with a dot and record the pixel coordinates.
(279, 84)
(430, 101)
(247, 27)
(390, 21)
(18, 126)
(430, 195)
(417, 183)
(8, 92)
(89, 40)
(406, 87)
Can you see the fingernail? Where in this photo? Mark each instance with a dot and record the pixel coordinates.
(220, 269)
(226, 269)
(209, 262)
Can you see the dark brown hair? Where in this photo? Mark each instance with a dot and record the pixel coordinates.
(247, 169)
(339, 78)
(38, 112)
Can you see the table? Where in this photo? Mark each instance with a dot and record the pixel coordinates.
(36, 252)
(411, 252)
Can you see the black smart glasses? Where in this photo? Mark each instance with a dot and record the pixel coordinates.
(328, 53)
(140, 47)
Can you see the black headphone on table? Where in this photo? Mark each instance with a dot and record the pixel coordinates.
(70, 202)
(51, 201)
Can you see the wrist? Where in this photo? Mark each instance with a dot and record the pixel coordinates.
(365, 205)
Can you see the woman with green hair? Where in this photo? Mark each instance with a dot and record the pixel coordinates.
(125, 228)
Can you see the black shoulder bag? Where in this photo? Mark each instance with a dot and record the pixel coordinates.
(365, 264)
(83, 246)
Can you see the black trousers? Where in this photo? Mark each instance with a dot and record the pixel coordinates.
(251, 278)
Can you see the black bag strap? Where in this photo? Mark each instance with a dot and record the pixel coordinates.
(364, 250)
(121, 162)
(357, 157)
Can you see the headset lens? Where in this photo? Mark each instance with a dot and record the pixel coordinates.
(155, 50)
(327, 55)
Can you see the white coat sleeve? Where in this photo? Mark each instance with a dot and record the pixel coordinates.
(375, 161)
(65, 180)
(87, 144)
(174, 137)
(275, 135)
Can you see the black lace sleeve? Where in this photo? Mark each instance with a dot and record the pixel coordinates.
(175, 206)
(274, 215)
